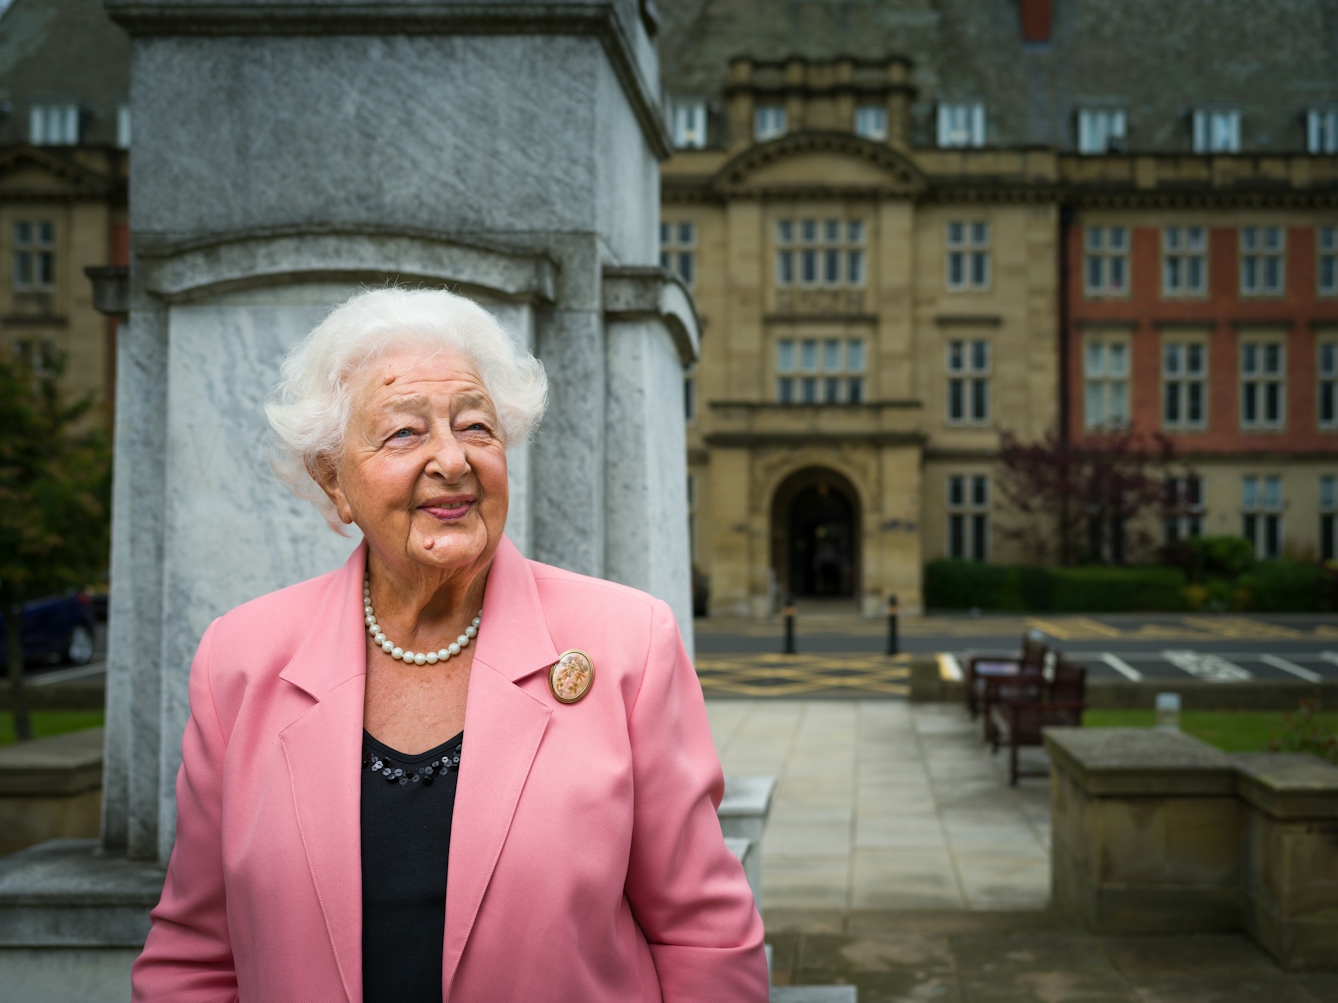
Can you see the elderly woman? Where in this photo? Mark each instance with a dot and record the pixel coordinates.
(443, 771)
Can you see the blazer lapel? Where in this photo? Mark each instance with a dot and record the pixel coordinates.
(504, 726)
(323, 748)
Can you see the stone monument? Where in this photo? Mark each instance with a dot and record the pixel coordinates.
(287, 154)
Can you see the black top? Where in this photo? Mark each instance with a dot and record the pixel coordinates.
(406, 844)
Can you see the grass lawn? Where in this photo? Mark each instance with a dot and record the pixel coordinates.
(50, 722)
(1229, 730)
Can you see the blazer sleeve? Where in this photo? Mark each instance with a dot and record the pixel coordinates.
(687, 891)
(188, 955)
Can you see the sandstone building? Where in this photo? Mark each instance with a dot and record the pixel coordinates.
(908, 226)
(64, 137)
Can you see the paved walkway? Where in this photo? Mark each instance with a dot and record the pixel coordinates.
(886, 805)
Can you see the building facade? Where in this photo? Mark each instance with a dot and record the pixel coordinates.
(64, 137)
(910, 227)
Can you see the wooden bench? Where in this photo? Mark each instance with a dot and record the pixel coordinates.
(1033, 703)
(982, 668)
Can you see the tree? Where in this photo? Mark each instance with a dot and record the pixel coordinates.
(55, 496)
(1085, 500)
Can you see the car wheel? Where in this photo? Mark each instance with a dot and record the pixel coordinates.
(80, 649)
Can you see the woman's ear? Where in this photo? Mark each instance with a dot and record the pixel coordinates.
(326, 473)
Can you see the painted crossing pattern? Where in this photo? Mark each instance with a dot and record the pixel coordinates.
(1237, 665)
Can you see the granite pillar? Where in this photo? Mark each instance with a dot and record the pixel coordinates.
(288, 154)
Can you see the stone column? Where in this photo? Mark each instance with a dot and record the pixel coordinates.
(288, 153)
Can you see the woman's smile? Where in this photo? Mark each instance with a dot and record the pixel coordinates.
(451, 508)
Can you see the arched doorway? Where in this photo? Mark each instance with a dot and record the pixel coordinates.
(815, 535)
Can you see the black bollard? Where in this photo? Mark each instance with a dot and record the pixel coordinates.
(892, 625)
(789, 626)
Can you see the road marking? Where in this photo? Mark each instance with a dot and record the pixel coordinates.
(1122, 667)
(949, 668)
(1292, 667)
(1078, 628)
(1329, 656)
(1210, 668)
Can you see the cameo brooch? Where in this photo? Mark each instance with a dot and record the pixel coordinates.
(571, 676)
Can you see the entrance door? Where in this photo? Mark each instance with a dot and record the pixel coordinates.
(815, 511)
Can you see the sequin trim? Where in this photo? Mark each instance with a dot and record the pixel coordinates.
(402, 775)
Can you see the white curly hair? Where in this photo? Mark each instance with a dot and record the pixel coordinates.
(308, 409)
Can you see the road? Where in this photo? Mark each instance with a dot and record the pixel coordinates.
(1217, 647)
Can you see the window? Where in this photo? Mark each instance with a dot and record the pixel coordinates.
(689, 394)
(1261, 263)
(1328, 525)
(1184, 261)
(1262, 383)
(1184, 507)
(968, 382)
(768, 122)
(34, 255)
(53, 125)
(677, 250)
(123, 127)
(1328, 383)
(692, 519)
(39, 357)
(1107, 263)
(830, 371)
(969, 517)
(961, 125)
(1106, 386)
(1100, 130)
(690, 125)
(871, 121)
(1321, 131)
(1326, 239)
(1184, 372)
(968, 256)
(1261, 514)
(1216, 131)
(827, 252)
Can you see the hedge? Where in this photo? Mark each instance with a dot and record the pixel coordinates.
(1269, 586)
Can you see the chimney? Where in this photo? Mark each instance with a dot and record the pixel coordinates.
(1035, 16)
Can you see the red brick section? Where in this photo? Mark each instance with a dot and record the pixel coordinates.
(1299, 311)
(1035, 15)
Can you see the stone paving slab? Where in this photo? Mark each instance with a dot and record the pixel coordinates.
(882, 804)
(1030, 956)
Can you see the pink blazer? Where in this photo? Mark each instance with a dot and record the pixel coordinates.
(587, 862)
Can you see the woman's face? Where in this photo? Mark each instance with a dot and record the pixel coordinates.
(423, 473)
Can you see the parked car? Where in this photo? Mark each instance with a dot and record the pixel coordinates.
(57, 628)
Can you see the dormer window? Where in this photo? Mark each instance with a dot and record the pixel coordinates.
(690, 125)
(871, 122)
(961, 124)
(768, 122)
(1101, 130)
(123, 127)
(1216, 131)
(1322, 130)
(53, 125)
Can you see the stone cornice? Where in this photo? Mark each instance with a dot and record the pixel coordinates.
(615, 23)
(84, 182)
(904, 177)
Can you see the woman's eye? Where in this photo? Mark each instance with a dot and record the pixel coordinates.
(403, 433)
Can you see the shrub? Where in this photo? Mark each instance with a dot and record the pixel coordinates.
(1303, 731)
(952, 584)
(1205, 557)
(1287, 586)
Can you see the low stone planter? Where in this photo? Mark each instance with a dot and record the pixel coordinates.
(50, 788)
(743, 814)
(1156, 832)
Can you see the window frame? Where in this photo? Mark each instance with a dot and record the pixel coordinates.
(1182, 255)
(971, 514)
(1328, 518)
(878, 134)
(1101, 131)
(1205, 122)
(1105, 341)
(1105, 253)
(1261, 377)
(794, 380)
(68, 118)
(1326, 259)
(971, 252)
(971, 378)
(770, 121)
(675, 251)
(37, 252)
(688, 135)
(849, 246)
(1184, 512)
(1262, 519)
(1326, 379)
(1261, 254)
(1183, 380)
(954, 136)
(1321, 133)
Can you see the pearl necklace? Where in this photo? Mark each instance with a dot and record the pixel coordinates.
(411, 657)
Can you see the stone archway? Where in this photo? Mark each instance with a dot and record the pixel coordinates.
(815, 535)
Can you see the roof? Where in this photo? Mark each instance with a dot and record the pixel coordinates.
(62, 52)
(1157, 60)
